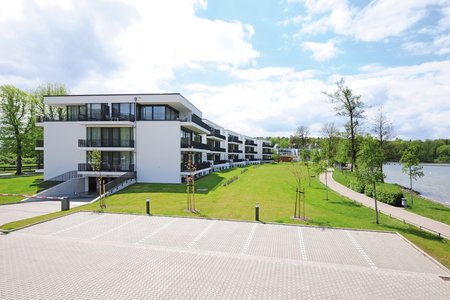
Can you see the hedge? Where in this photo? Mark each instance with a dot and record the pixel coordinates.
(388, 197)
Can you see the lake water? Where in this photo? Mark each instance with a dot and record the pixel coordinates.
(435, 184)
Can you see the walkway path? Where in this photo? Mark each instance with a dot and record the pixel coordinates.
(396, 212)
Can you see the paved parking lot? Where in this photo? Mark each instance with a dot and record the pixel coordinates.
(111, 256)
(25, 210)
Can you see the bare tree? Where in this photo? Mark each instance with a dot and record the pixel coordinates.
(49, 89)
(383, 130)
(351, 106)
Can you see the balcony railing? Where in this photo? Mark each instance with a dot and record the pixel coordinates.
(267, 152)
(267, 145)
(83, 118)
(196, 145)
(234, 151)
(250, 143)
(196, 120)
(198, 167)
(105, 143)
(250, 151)
(218, 149)
(220, 162)
(238, 160)
(254, 159)
(83, 167)
(234, 139)
(216, 133)
(39, 143)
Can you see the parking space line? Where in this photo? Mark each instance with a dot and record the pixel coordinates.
(115, 228)
(302, 244)
(249, 240)
(201, 234)
(77, 225)
(155, 232)
(361, 251)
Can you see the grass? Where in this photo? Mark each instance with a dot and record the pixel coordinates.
(273, 187)
(26, 184)
(421, 206)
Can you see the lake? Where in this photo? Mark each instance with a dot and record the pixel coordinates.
(435, 184)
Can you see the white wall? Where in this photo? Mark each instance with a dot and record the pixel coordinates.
(158, 151)
(61, 153)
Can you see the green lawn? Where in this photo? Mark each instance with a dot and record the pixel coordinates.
(26, 184)
(421, 206)
(273, 187)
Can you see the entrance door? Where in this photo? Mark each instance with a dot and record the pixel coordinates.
(92, 185)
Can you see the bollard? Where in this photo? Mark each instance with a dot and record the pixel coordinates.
(147, 206)
(257, 212)
(65, 204)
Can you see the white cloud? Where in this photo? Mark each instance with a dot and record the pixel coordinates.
(377, 21)
(126, 46)
(321, 51)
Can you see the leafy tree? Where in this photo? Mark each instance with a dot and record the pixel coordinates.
(351, 106)
(342, 152)
(411, 167)
(329, 144)
(443, 154)
(320, 165)
(369, 171)
(18, 119)
(303, 135)
(50, 89)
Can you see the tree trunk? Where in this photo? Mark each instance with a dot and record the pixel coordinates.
(375, 198)
(410, 186)
(19, 157)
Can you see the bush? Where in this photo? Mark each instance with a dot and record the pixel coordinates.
(357, 186)
(368, 190)
(391, 198)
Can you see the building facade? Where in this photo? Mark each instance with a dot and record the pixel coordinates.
(152, 135)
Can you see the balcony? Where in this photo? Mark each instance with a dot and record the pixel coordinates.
(218, 149)
(268, 152)
(238, 160)
(250, 143)
(196, 145)
(220, 162)
(84, 118)
(267, 145)
(250, 151)
(105, 143)
(196, 124)
(234, 139)
(234, 151)
(216, 133)
(106, 167)
(197, 167)
(39, 144)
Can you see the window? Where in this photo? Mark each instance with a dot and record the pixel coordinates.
(76, 113)
(146, 113)
(159, 113)
(123, 111)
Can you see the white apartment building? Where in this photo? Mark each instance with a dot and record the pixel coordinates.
(151, 135)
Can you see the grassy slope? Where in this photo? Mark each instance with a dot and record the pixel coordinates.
(273, 186)
(20, 185)
(421, 206)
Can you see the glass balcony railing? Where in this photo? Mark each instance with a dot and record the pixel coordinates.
(106, 167)
(105, 143)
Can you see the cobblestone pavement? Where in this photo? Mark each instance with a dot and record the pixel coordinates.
(396, 212)
(25, 210)
(112, 256)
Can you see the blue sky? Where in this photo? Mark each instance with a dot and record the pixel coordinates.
(256, 67)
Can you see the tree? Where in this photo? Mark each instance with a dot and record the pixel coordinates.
(351, 106)
(369, 171)
(411, 167)
(95, 158)
(320, 165)
(50, 89)
(383, 130)
(329, 144)
(18, 119)
(303, 136)
(305, 156)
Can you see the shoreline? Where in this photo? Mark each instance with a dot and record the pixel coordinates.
(407, 189)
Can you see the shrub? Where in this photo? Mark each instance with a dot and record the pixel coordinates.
(368, 191)
(391, 198)
(357, 186)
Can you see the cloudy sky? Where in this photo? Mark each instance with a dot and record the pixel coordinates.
(256, 67)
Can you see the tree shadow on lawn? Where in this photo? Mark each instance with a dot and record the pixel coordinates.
(202, 186)
(416, 231)
(346, 203)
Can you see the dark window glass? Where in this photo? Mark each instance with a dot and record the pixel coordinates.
(159, 113)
